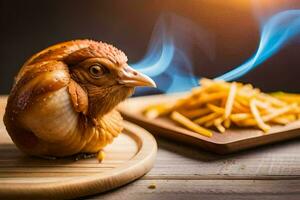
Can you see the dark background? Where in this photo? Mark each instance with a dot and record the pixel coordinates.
(29, 26)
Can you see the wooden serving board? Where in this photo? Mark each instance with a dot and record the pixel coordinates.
(129, 157)
(231, 141)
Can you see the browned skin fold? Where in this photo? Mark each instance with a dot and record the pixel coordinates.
(54, 109)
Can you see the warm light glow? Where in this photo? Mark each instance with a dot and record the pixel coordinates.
(276, 32)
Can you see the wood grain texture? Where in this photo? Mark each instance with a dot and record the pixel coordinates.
(234, 139)
(182, 172)
(130, 156)
(274, 161)
(207, 189)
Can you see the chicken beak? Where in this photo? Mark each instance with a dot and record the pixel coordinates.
(131, 77)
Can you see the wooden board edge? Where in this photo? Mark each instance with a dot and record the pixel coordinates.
(128, 172)
(218, 148)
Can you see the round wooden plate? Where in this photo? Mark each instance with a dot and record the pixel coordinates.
(129, 157)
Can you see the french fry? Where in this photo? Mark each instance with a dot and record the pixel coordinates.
(237, 107)
(287, 97)
(246, 123)
(279, 112)
(216, 109)
(223, 102)
(195, 113)
(242, 102)
(240, 116)
(218, 124)
(263, 105)
(206, 118)
(209, 123)
(230, 100)
(227, 123)
(285, 119)
(155, 111)
(190, 125)
(260, 122)
(209, 97)
(272, 100)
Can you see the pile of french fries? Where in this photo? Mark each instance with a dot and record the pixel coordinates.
(219, 105)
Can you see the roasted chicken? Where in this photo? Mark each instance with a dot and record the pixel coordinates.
(63, 100)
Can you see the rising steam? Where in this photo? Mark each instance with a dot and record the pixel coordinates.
(275, 33)
(167, 60)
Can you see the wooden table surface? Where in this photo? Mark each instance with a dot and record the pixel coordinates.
(181, 172)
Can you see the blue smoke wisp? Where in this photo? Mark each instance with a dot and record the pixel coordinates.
(166, 60)
(160, 52)
(276, 32)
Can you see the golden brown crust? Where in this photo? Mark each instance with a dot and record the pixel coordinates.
(107, 128)
(38, 79)
(99, 50)
(78, 96)
(53, 53)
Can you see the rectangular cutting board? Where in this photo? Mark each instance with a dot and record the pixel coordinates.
(234, 139)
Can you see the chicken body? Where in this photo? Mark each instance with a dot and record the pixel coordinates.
(63, 99)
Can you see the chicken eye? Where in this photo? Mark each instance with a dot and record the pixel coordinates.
(97, 70)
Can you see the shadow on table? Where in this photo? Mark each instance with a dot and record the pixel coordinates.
(195, 152)
(10, 153)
